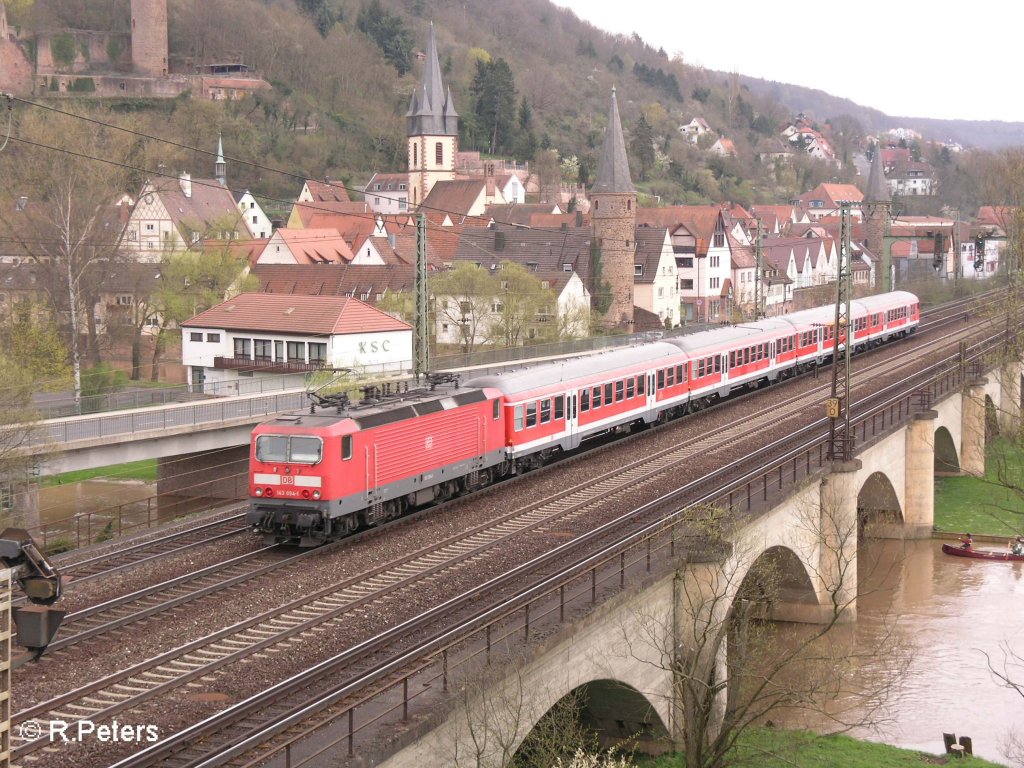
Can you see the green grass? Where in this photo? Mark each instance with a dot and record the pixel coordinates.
(985, 505)
(778, 748)
(144, 470)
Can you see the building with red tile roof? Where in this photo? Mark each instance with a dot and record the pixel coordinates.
(256, 335)
(306, 246)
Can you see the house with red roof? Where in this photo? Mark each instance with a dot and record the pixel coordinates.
(700, 244)
(723, 148)
(387, 192)
(260, 335)
(825, 198)
(180, 214)
(307, 246)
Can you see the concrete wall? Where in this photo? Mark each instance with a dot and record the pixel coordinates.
(216, 475)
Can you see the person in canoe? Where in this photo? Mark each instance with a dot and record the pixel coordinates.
(1018, 546)
(966, 541)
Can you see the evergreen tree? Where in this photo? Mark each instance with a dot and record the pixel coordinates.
(390, 34)
(526, 143)
(642, 146)
(319, 13)
(494, 104)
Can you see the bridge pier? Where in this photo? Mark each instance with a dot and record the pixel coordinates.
(972, 451)
(836, 574)
(222, 474)
(700, 617)
(1010, 405)
(919, 507)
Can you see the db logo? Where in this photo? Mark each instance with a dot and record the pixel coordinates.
(287, 480)
(428, 443)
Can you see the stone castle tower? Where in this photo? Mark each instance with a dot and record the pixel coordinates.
(433, 130)
(613, 212)
(149, 37)
(877, 203)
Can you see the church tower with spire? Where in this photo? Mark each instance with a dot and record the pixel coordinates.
(877, 203)
(220, 168)
(433, 130)
(613, 212)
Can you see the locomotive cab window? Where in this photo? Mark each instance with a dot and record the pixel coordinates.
(346, 447)
(289, 450)
(496, 410)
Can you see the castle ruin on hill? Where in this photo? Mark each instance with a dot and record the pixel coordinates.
(133, 64)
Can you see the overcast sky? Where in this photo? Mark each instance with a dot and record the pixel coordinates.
(909, 58)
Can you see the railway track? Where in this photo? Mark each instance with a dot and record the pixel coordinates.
(296, 705)
(120, 612)
(282, 628)
(131, 555)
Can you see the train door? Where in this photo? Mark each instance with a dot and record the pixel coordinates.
(572, 419)
(652, 394)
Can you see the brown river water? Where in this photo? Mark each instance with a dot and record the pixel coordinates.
(948, 612)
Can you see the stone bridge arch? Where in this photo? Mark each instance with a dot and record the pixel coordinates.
(879, 512)
(614, 711)
(947, 458)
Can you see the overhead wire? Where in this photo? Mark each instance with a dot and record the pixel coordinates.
(250, 163)
(437, 228)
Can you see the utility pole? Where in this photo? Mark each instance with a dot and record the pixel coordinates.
(758, 274)
(840, 447)
(421, 339)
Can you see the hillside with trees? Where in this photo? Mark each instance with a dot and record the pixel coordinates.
(528, 80)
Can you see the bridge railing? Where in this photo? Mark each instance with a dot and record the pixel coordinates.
(117, 423)
(466, 650)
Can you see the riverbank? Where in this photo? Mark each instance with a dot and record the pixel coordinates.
(992, 505)
(779, 748)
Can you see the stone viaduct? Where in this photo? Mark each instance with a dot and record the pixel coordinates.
(618, 654)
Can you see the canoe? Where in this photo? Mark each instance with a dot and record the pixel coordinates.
(982, 554)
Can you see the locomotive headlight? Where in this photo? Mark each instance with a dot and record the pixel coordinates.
(258, 492)
(316, 494)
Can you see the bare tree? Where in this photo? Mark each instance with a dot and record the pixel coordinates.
(497, 726)
(730, 667)
(58, 206)
(465, 299)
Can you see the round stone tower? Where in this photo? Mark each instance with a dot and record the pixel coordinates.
(613, 213)
(149, 37)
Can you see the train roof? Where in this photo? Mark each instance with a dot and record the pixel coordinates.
(388, 409)
(548, 374)
(696, 344)
(882, 300)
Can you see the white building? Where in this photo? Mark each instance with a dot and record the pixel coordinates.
(261, 335)
(253, 216)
